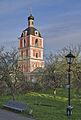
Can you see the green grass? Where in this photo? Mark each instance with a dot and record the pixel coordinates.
(46, 107)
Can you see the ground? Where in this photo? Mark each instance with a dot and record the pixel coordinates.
(8, 115)
(46, 107)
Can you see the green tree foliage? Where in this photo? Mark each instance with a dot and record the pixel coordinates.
(76, 69)
(49, 77)
(56, 70)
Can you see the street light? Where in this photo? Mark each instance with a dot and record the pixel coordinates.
(69, 59)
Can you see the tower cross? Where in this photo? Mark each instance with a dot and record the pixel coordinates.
(30, 10)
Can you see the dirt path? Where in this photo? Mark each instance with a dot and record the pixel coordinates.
(8, 115)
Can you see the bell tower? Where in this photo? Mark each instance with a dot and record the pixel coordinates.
(30, 49)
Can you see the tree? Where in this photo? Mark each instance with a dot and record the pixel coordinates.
(9, 71)
(76, 69)
(75, 66)
(56, 70)
(49, 77)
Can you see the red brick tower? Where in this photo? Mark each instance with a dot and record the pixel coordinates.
(30, 49)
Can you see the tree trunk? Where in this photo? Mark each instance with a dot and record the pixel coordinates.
(14, 98)
(55, 93)
(13, 94)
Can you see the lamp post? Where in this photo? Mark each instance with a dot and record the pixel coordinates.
(69, 59)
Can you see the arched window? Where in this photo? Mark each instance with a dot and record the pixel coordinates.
(36, 42)
(36, 55)
(24, 42)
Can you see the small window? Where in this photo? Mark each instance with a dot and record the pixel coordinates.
(25, 33)
(24, 42)
(36, 55)
(36, 33)
(36, 42)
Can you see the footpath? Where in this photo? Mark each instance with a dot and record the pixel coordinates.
(8, 115)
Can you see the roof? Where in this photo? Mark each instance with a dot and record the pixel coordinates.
(31, 31)
(38, 70)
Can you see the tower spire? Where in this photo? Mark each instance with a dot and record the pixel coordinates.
(30, 19)
(30, 10)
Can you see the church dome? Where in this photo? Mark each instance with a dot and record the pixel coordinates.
(31, 31)
(31, 17)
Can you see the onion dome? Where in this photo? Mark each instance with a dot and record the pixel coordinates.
(30, 17)
(31, 31)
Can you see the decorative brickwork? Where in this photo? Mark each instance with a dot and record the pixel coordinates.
(30, 49)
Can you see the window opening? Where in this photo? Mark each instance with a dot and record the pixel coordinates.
(24, 42)
(36, 55)
(36, 42)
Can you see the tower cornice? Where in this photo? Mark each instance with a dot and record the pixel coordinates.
(29, 36)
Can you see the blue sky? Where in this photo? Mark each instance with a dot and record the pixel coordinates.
(59, 22)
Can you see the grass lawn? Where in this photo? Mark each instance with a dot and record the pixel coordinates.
(46, 107)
